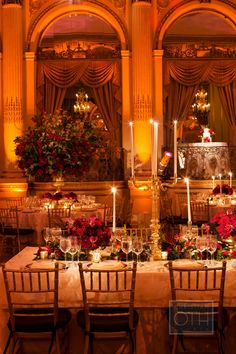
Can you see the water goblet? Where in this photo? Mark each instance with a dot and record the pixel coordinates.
(64, 245)
(211, 246)
(126, 246)
(201, 244)
(46, 234)
(137, 247)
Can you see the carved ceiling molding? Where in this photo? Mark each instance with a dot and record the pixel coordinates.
(79, 51)
(35, 6)
(200, 50)
(52, 5)
(176, 7)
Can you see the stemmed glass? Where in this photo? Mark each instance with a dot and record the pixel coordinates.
(137, 247)
(64, 245)
(201, 244)
(47, 234)
(126, 246)
(211, 245)
(74, 248)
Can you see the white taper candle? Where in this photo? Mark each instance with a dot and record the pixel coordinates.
(188, 200)
(230, 179)
(114, 209)
(155, 147)
(175, 148)
(213, 182)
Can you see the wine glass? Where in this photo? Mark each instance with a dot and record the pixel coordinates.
(137, 247)
(64, 245)
(211, 246)
(75, 247)
(47, 234)
(201, 244)
(126, 246)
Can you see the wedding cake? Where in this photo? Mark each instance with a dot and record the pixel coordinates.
(206, 135)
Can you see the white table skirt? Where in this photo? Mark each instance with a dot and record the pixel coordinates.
(151, 299)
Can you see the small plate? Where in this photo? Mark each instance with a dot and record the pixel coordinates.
(44, 265)
(109, 265)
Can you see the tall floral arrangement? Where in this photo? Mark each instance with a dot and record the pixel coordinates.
(57, 145)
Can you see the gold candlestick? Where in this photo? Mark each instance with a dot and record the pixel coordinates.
(155, 185)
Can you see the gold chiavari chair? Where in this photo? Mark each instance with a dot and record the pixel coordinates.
(13, 203)
(189, 314)
(32, 296)
(11, 235)
(56, 216)
(108, 298)
(199, 212)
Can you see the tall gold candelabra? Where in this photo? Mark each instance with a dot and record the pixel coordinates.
(156, 186)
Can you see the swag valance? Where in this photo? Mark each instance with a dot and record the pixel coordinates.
(103, 76)
(190, 73)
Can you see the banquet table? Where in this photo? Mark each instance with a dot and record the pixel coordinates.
(151, 299)
(37, 219)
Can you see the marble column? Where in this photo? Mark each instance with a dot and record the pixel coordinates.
(142, 83)
(12, 43)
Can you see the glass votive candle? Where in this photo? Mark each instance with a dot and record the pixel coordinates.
(43, 254)
(96, 256)
(164, 255)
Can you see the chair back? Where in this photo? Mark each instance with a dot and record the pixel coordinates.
(110, 289)
(199, 211)
(34, 289)
(18, 202)
(192, 284)
(55, 216)
(9, 223)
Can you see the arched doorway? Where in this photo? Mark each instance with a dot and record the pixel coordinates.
(83, 51)
(202, 44)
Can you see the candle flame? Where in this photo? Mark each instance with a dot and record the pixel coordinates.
(113, 190)
(186, 180)
(131, 123)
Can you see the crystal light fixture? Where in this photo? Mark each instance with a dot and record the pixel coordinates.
(201, 106)
(82, 105)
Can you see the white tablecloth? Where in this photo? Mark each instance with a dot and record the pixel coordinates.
(152, 297)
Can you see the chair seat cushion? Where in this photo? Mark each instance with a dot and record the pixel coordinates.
(109, 322)
(38, 321)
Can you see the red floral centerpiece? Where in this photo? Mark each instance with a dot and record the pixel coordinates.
(222, 225)
(57, 146)
(91, 233)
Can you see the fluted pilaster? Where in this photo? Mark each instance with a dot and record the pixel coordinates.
(12, 39)
(158, 93)
(142, 78)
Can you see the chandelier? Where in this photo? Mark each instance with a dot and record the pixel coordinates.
(201, 106)
(82, 105)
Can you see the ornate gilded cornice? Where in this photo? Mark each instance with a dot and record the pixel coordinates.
(52, 5)
(99, 52)
(35, 5)
(200, 50)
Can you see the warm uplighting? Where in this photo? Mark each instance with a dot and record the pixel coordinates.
(201, 106)
(82, 105)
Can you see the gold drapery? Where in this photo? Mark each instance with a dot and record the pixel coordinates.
(103, 76)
